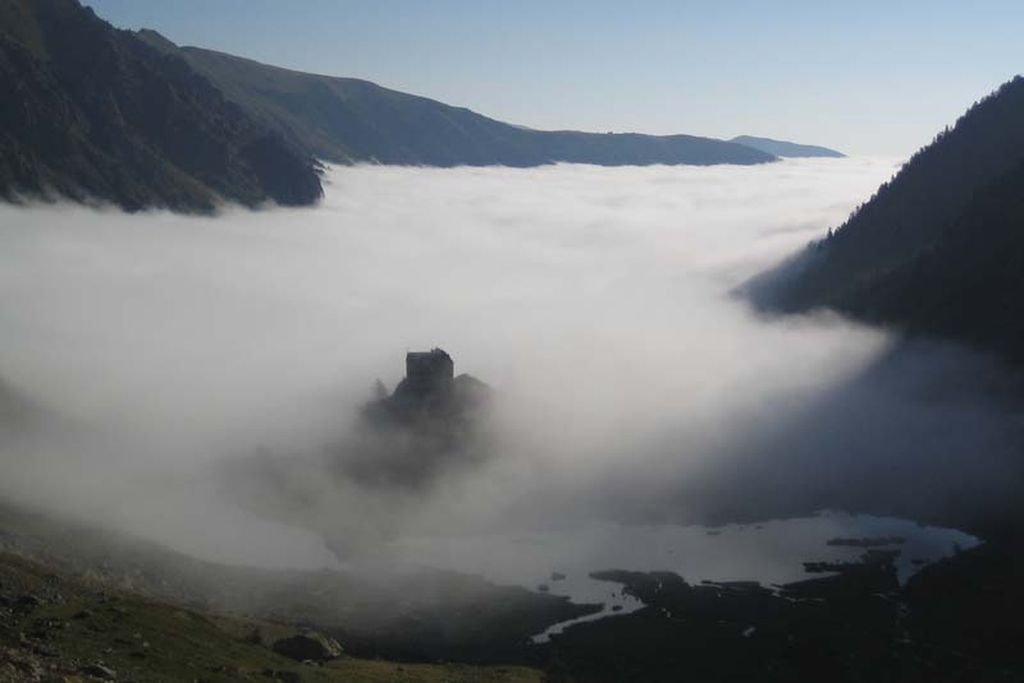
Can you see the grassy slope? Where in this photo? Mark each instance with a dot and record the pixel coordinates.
(79, 624)
(424, 616)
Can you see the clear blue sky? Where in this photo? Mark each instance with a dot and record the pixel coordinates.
(864, 76)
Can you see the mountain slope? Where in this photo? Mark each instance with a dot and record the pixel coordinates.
(56, 627)
(970, 284)
(93, 113)
(940, 248)
(90, 112)
(347, 120)
(782, 148)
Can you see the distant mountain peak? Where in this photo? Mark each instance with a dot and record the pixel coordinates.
(783, 148)
(156, 39)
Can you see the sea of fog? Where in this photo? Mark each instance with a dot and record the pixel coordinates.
(596, 301)
(602, 283)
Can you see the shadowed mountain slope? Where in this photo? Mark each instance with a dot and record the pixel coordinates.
(937, 250)
(93, 113)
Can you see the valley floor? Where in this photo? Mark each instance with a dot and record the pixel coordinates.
(77, 605)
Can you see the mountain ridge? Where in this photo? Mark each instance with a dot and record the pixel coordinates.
(349, 120)
(937, 250)
(785, 148)
(105, 115)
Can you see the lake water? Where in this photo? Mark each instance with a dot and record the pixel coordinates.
(770, 552)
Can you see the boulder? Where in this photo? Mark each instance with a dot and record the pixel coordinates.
(28, 602)
(104, 673)
(309, 645)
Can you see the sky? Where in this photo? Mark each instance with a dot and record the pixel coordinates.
(868, 77)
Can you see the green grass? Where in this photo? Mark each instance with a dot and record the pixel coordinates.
(146, 640)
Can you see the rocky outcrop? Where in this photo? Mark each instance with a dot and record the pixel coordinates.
(103, 673)
(309, 646)
(432, 422)
(430, 396)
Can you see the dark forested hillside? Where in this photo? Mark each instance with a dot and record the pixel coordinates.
(93, 113)
(970, 284)
(940, 248)
(348, 120)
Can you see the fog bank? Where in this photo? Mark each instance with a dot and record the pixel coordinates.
(594, 300)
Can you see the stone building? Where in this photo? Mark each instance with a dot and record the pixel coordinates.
(428, 371)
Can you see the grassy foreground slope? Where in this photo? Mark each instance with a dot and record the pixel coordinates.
(57, 628)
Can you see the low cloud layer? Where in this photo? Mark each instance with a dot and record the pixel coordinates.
(594, 300)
